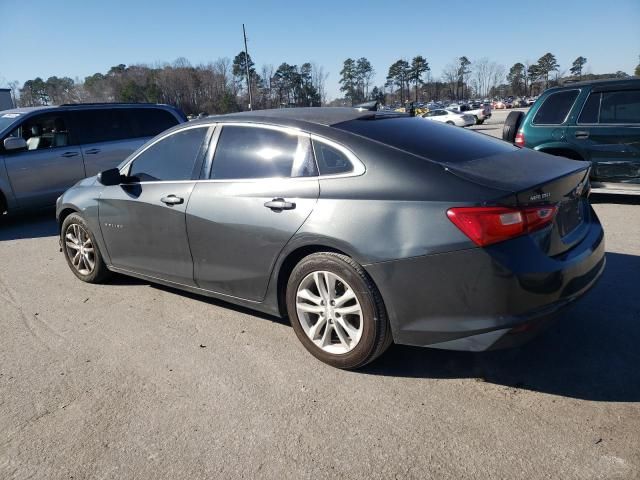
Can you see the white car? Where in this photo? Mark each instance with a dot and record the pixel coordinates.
(450, 117)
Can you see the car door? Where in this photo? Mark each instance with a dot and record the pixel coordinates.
(262, 186)
(143, 219)
(51, 164)
(608, 131)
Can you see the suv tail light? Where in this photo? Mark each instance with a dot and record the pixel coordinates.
(519, 139)
(487, 225)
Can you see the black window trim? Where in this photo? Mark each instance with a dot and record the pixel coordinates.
(599, 124)
(358, 166)
(564, 121)
(126, 168)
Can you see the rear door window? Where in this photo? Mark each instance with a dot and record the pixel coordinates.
(591, 110)
(620, 107)
(104, 125)
(256, 152)
(555, 108)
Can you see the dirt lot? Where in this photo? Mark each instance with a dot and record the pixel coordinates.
(131, 380)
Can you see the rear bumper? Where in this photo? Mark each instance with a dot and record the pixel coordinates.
(485, 298)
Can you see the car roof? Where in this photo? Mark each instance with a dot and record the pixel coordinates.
(608, 82)
(327, 116)
(80, 106)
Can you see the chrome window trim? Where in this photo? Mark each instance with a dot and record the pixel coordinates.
(358, 167)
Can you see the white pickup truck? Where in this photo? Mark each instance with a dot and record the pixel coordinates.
(478, 110)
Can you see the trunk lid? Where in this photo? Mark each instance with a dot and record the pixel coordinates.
(536, 178)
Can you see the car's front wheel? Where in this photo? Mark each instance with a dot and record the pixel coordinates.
(336, 311)
(81, 250)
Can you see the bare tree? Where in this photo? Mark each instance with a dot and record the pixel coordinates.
(318, 80)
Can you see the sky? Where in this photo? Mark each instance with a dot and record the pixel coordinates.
(77, 38)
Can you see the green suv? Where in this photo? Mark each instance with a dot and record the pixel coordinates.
(598, 121)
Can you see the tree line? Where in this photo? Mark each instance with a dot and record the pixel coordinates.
(217, 87)
(222, 87)
(462, 78)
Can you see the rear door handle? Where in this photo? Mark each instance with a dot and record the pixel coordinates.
(279, 204)
(92, 151)
(69, 154)
(581, 134)
(172, 200)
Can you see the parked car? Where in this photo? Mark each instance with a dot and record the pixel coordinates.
(499, 104)
(450, 117)
(362, 227)
(480, 112)
(45, 150)
(598, 121)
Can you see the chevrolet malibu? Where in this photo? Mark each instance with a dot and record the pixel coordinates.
(362, 228)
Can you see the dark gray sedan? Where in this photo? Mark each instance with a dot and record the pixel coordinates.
(362, 228)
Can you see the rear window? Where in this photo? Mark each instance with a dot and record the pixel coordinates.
(555, 108)
(438, 142)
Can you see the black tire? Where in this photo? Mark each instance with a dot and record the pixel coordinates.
(480, 122)
(100, 273)
(376, 332)
(450, 123)
(511, 126)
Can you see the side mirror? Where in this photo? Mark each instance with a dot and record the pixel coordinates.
(110, 177)
(15, 143)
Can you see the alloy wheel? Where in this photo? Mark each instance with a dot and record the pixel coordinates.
(329, 312)
(79, 249)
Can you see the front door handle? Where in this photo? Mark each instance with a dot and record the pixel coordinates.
(172, 200)
(581, 134)
(279, 204)
(92, 151)
(69, 154)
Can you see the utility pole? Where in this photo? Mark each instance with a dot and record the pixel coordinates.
(246, 64)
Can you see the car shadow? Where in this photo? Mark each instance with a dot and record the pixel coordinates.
(31, 225)
(591, 353)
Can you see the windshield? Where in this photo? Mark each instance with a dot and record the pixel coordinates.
(6, 119)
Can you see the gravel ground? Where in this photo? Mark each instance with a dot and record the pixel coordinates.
(132, 380)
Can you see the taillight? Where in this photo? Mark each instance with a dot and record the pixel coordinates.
(519, 139)
(487, 225)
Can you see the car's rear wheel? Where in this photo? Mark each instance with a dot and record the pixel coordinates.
(511, 126)
(81, 250)
(450, 123)
(336, 311)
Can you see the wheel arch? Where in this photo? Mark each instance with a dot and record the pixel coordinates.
(562, 151)
(288, 263)
(64, 213)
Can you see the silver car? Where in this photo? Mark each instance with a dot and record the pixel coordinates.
(45, 150)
